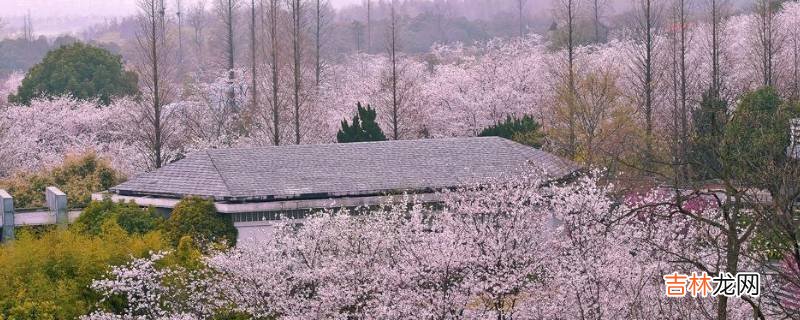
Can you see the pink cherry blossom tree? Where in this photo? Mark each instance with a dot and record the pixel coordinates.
(512, 248)
(41, 134)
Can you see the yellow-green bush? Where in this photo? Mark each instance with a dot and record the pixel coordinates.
(198, 218)
(78, 177)
(127, 215)
(48, 276)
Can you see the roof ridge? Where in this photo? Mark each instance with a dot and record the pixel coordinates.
(321, 171)
(329, 144)
(216, 169)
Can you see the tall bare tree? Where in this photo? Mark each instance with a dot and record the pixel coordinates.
(296, 10)
(440, 12)
(253, 58)
(155, 70)
(179, 16)
(198, 21)
(369, 25)
(27, 27)
(718, 13)
(358, 35)
(227, 11)
(567, 14)
(597, 14)
(679, 49)
(794, 39)
(393, 47)
(320, 24)
(521, 16)
(270, 22)
(767, 42)
(646, 19)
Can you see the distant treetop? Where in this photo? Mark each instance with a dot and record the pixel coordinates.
(523, 130)
(80, 70)
(364, 127)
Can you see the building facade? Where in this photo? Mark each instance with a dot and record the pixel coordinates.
(258, 186)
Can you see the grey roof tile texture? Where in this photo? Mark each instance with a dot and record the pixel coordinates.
(368, 168)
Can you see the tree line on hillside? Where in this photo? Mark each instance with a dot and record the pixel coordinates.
(584, 96)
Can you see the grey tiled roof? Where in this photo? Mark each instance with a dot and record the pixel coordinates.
(370, 168)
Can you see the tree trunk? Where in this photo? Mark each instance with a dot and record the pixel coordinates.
(715, 25)
(229, 23)
(230, 8)
(731, 261)
(767, 40)
(253, 60)
(648, 84)
(152, 46)
(296, 31)
(573, 93)
(520, 8)
(596, 9)
(393, 56)
(318, 44)
(156, 93)
(369, 26)
(179, 15)
(684, 122)
(795, 67)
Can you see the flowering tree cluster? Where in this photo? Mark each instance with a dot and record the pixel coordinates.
(514, 248)
(458, 90)
(151, 291)
(41, 134)
(9, 85)
(210, 114)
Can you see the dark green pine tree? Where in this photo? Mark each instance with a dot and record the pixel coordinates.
(710, 120)
(757, 138)
(364, 127)
(744, 144)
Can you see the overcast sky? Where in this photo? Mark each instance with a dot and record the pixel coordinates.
(50, 8)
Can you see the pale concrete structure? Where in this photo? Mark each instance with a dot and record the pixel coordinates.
(57, 203)
(56, 213)
(7, 207)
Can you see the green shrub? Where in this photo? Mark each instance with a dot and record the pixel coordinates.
(79, 176)
(198, 218)
(186, 255)
(48, 276)
(129, 216)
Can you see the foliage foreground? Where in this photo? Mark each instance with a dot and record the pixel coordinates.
(48, 276)
(518, 248)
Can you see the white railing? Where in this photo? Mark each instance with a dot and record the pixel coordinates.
(55, 213)
(40, 218)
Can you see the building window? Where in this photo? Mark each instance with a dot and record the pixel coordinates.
(270, 215)
(297, 214)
